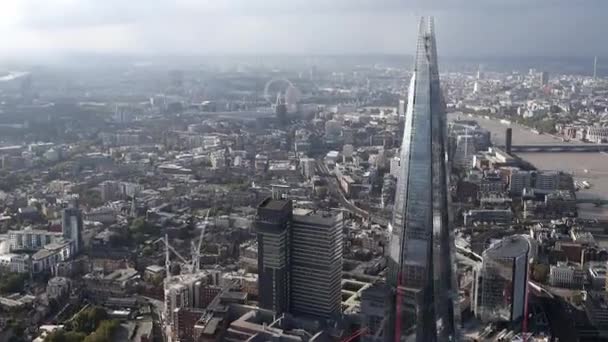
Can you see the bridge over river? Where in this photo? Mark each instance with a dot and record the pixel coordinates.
(559, 148)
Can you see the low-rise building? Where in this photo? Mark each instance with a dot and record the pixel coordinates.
(49, 257)
(498, 216)
(154, 273)
(246, 282)
(58, 288)
(566, 275)
(32, 239)
(119, 284)
(596, 274)
(596, 308)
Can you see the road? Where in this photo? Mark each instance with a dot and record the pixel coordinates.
(336, 190)
(158, 308)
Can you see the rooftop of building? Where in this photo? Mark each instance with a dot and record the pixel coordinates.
(272, 204)
(155, 269)
(509, 247)
(119, 275)
(58, 281)
(182, 279)
(30, 230)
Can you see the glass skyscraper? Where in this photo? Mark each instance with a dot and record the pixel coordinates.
(420, 254)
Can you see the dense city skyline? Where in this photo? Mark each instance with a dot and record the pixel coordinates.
(303, 171)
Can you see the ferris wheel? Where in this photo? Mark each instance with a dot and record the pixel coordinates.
(281, 86)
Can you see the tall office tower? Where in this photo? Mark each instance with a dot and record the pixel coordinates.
(464, 152)
(544, 78)
(307, 167)
(71, 226)
(280, 109)
(272, 224)
(500, 290)
(373, 303)
(312, 73)
(420, 252)
(479, 72)
(595, 68)
(316, 265)
(401, 109)
(509, 140)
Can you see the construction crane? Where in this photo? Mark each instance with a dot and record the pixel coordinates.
(196, 256)
(168, 248)
(194, 263)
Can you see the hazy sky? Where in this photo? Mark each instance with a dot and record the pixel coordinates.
(186, 27)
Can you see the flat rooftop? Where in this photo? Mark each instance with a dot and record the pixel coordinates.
(509, 247)
(272, 204)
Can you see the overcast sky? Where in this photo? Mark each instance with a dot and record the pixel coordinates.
(193, 27)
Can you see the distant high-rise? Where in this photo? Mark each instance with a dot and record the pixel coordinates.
(401, 109)
(595, 68)
(480, 72)
(544, 78)
(316, 265)
(509, 140)
(307, 167)
(292, 96)
(272, 223)
(280, 109)
(312, 74)
(71, 226)
(420, 253)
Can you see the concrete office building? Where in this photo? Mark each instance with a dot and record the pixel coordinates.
(299, 260)
(566, 275)
(518, 181)
(373, 311)
(316, 265)
(547, 181)
(31, 239)
(307, 167)
(272, 223)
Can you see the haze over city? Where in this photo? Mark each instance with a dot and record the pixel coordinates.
(303, 171)
(191, 27)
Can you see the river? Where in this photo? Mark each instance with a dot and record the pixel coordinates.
(584, 166)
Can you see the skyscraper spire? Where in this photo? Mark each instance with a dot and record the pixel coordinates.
(419, 255)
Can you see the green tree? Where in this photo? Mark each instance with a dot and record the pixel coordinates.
(540, 272)
(577, 298)
(141, 226)
(104, 332)
(65, 336)
(91, 197)
(18, 329)
(12, 282)
(88, 320)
